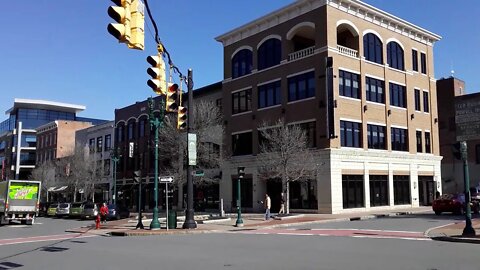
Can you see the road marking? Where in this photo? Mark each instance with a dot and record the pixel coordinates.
(44, 238)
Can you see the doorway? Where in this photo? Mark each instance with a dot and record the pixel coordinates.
(426, 190)
(274, 190)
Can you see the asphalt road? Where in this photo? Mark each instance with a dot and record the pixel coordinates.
(252, 251)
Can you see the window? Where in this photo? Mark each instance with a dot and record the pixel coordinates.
(428, 146)
(423, 62)
(419, 141)
(310, 133)
(352, 191)
(374, 90)
(350, 134)
(378, 190)
(242, 63)
(372, 48)
(108, 142)
(269, 94)
(399, 139)
(401, 189)
(426, 107)
(242, 144)
(91, 145)
(398, 95)
(415, 60)
(219, 104)
(141, 128)
(47, 140)
(417, 100)
(376, 137)
(106, 167)
(241, 101)
(269, 53)
(395, 55)
(301, 86)
(120, 133)
(348, 84)
(131, 131)
(99, 144)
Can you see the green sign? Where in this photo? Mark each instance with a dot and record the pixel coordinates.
(23, 191)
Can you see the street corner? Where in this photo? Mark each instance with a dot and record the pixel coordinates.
(453, 232)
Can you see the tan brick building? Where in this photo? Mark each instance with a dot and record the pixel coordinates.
(370, 114)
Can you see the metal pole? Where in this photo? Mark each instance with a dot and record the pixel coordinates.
(166, 203)
(239, 222)
(155, 225)
(114, 197)
(189, 215)
(468, 230)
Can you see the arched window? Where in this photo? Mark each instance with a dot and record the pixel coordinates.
(395, 55)
(242, 63)
(269, 53)
(372, 48)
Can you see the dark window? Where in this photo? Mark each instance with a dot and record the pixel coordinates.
(372, 48)
(301, 86)
(352, 191)
(241, 101)
(375, 90)
(269, 53)
(417, 100)
(477, 153)
(428, 145)
(131, 131)
(401, 189)
(106, 167)
(348, 84)
(108, 142)
(378, 190)
(414, 60)
(91, 145)
(423, 63)
(310, 133)
(426, 107)
(376, 137)
(269, 94)
(398, 95)
(120, 133)
(218, 102)
(350, 134)
(246, 193)
(395, 56)
(242, 63)
(99, 144)
(419, 141)
(399, 139)
(141, 128)
(242, 144)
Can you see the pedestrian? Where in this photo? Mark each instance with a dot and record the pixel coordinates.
(267, 204)
(104, 212)
(282, 204)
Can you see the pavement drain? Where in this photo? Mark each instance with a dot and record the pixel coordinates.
(9, 265)
(78, 241)
(54, 249)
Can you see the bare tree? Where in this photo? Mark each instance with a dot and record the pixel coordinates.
(284, 154)
(45, 173)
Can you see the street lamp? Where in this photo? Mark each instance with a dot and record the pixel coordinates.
(241, 175)
(468, 230)
(115, 156)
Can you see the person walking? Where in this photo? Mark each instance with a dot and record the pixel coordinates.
(267, 205)
(104, 212)
(282, 204)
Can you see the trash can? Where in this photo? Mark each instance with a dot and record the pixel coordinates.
(172, 220)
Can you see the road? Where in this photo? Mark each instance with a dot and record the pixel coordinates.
(253, 249)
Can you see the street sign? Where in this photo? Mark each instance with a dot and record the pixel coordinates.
(130, 149)
(192, 149)
(166, 179)
(467, 118)
(198, 173)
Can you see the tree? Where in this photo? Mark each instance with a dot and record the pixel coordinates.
(45, 173)
(284, 154)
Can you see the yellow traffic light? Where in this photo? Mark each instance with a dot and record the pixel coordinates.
(182, 118)
(137, 23)
(157, 71)
(120, 14)
(172, 94)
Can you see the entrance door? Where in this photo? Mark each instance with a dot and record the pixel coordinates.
(274, 190)
(426, 190)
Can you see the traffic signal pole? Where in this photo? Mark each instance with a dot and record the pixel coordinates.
(468, 230)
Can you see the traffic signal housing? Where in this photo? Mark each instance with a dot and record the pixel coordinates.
(172, 95)
(121, 15)
(182, 118)
(137, 176)
(157, 72)
(241, 172)
(137, 24)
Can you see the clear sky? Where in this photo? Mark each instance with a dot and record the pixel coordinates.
(61, 51)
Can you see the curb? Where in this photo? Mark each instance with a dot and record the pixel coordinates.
(159, 232)
(456, 239)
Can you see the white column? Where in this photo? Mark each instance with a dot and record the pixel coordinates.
(366, 185)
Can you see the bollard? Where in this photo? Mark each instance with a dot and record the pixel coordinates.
(222, 212)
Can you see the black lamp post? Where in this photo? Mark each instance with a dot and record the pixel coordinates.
(241, 175)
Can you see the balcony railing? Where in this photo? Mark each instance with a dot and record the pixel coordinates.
(301, 54)
(347, 51)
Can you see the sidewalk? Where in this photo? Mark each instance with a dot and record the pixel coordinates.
(126, 227)
(453, 232)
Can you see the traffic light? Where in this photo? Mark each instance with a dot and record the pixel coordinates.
(120, 14)
(182, 118)
(137, 24)
(241, 172)
(456, 151)
(172, 94)
(157, 71)
(137, 176)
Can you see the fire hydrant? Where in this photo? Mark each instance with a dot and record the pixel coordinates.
(97, 222)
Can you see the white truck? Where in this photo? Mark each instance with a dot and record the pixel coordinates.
(19, 200)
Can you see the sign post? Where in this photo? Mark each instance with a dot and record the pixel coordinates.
(166, 180)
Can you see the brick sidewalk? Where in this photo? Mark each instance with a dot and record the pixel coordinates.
(453, 233)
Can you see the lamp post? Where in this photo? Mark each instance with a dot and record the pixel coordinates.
(468, 230)
(241, 175)
(115, 158)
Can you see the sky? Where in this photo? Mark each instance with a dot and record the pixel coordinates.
(61, 51)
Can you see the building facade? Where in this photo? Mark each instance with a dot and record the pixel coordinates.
(359, 80)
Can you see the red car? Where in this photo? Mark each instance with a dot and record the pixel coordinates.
(454, 203)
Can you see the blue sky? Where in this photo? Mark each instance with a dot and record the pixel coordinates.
(61, 51)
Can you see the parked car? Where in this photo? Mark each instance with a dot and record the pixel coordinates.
(52, 209)
(63, 210)
(76, 210)
(452, 203)
(117, 212)
(90, 210)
